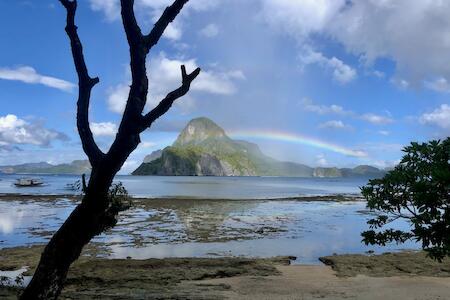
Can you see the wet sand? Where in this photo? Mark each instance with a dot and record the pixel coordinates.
(406, 275)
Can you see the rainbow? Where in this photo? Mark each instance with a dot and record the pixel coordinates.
(296, 139)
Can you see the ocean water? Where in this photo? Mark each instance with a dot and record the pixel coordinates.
(205, 223)
(201, 187)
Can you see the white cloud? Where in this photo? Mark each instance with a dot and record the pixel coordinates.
(198, 5)
(400, 83)
(103, 129)
(359, 153)
(165, 76)
(29, 75)
(321, 160)
(117, 98)
(385, 164)
(384, 132)
(148, 144)
(15, 131)
(308, 105)
(342, 72)
(173, 32)
(210, 30)
(334, 124)
(378, 74)
(154, 9)
(111, 8)
(129, 166)
(439, 117)
(300, 18)
(376, 119)
(415, 35)
(439, 85)
(236, 74)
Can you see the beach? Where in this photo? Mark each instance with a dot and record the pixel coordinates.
(296, 246)
(405, 275)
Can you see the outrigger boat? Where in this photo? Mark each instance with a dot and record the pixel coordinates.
(28, 182)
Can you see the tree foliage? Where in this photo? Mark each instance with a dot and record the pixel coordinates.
(418, 190)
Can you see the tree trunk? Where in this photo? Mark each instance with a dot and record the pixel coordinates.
(91, 217)
(96, 213)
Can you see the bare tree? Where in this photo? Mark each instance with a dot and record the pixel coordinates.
(96, 213)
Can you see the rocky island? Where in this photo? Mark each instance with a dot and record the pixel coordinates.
(204, 149)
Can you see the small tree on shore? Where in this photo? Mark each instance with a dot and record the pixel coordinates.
(97, 210)
(417, 190)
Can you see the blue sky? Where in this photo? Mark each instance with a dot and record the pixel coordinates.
(368, 76)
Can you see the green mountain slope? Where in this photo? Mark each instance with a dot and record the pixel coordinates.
(76, 167)
(203, 148)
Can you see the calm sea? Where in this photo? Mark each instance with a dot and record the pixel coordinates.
(201, 187)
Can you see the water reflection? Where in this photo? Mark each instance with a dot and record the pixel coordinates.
(10, 220)
(165, 228)
(28, 222)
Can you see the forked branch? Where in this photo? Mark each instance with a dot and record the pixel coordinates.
(167, 102)
(166, 18)
(139, 47)
(85, 85)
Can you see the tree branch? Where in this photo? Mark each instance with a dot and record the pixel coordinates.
(139, 86)
(85, 85)
(132, 30)
(167, 102)
(166, 18)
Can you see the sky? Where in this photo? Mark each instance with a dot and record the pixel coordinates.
(320, 82)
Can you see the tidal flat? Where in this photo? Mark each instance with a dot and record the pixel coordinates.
(305, 227)
(190, 248)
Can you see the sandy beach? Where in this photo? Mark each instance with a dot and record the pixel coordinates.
(406, 275)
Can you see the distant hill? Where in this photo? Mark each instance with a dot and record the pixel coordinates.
(204, 149)
(76, 167)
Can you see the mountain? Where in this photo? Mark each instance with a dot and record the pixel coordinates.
(204, 149)
(365, 170)
(76, 167)
(153, 156)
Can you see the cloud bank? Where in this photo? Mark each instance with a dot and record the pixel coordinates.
(15, 131)
(28, 74)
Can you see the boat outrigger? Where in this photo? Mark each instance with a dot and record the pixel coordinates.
(28, 182)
